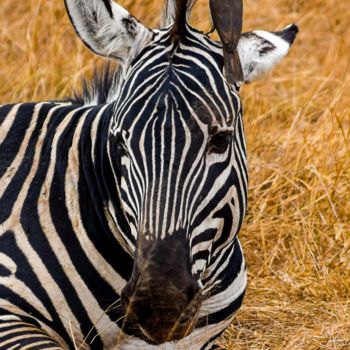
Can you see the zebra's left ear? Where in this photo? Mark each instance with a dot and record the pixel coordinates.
(260, 51)
(108, 29)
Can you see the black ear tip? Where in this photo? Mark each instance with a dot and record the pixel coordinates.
(289, 33)
(293, 27)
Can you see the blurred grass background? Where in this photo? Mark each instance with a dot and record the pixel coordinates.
(296, 235)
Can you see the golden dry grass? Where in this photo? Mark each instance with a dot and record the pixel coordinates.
(296, 236)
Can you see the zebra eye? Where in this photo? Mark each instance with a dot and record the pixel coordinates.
(219, 142)
(122, 150)
(121, 145)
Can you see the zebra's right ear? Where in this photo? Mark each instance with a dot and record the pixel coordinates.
(108, 29)
(260, 51)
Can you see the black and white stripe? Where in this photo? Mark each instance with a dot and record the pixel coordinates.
(64, 231)
(160, 153)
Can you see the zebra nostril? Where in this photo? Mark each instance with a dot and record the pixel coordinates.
(125, 299)
(192, 291)
(125, 303)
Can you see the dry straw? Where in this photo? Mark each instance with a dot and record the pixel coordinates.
(297, 232)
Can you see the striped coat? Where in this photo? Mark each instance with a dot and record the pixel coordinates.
(156, 150)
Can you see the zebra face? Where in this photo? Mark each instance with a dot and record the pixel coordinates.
(178, 151)
(178, 132)
(183, 178)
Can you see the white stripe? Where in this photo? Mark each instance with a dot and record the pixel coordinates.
(228, 296)
(16, 162)
(8, 122)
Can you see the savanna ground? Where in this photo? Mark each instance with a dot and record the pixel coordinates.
(296, 235)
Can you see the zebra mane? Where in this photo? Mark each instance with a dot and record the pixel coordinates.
(177, 12)
(104, 85)
(102, 88)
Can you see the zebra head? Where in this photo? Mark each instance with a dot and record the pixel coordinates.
(178, 152)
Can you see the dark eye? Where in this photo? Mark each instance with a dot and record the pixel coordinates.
(122, 150)
(219, 142)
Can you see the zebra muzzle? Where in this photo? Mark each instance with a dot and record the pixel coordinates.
(162, 297)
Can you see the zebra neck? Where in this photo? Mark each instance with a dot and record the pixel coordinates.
(98, 183)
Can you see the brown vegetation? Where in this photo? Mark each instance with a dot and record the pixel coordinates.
(296, 236)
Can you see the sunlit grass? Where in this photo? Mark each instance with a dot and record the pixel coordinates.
(296, 235)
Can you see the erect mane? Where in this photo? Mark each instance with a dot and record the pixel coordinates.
(180, 12)
(102, 88)
(104, 85)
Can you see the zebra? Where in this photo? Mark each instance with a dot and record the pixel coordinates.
(120, 207)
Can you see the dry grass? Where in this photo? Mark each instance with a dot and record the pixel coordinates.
(297, 233)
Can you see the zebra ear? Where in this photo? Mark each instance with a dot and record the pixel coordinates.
(260, 51)
(108, 29)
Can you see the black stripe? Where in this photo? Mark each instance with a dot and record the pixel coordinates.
(14, 138)
(13, 142)
(108, 7)
(25, 273)
(4, 111)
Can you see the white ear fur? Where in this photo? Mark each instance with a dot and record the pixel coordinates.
(260, 51)
(108, 29)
